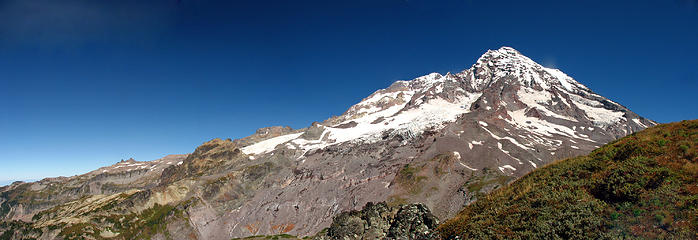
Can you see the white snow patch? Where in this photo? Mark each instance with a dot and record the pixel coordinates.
(639, 123)
(575, 147)
(457, 154)
(506, 167)
(512, 140)
(269, 144)
(499, 145)
(562, 77)
(596, 111)
(539, 100)
(534, 165)
(432, 113)
(466, 166)
(542, 127)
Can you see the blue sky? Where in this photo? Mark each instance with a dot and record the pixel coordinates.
(85, 83)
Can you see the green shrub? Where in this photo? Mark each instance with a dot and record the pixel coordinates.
(684, 148)
(659, 218)
(662, 142)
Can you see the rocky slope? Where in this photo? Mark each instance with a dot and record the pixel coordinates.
(644, 186)
(441, 140)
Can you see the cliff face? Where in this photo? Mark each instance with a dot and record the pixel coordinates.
(440, 140)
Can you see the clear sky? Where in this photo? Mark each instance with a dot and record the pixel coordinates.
(85, 83)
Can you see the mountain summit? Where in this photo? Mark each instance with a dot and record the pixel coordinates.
(508, 62)
(441, 140)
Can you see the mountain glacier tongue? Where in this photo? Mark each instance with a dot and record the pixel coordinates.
(441, 140)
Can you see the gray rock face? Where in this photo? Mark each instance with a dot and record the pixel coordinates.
(380, 221)
(440, 140)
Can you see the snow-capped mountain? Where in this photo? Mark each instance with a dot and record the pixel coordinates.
(506, 115)
(503, 87)
(437, 139)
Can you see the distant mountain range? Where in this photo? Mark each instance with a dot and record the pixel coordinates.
(440, 140)
(8, 182)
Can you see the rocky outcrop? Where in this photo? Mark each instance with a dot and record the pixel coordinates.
(263, 134)
(211, 157)
(380, 221)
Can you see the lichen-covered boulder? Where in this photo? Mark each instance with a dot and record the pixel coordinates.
(380, 221)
